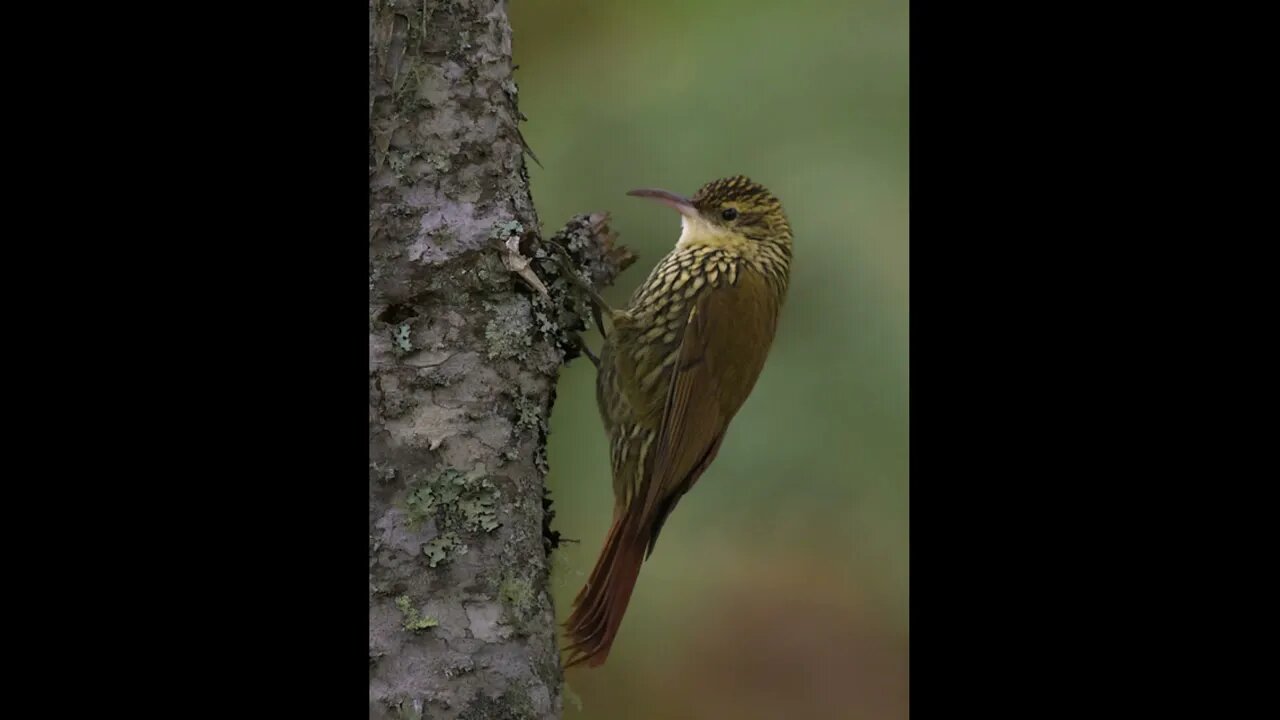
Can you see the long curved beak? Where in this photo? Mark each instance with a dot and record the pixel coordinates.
(670, 199)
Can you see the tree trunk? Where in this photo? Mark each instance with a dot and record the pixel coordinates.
(469, 324)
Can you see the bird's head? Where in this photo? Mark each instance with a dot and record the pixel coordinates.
(732, 212)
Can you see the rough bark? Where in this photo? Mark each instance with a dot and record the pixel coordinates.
(469, 324)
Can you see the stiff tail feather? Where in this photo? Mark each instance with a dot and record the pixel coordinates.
(599, 607)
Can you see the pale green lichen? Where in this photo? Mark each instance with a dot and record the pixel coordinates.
(519, 600)
(398, 163)
(441, 547)
(401, 336)
(504, 230)
(528, 415)
(458, 502)
(509, 334)
(441, 163)
(531, 419)
(413, 621)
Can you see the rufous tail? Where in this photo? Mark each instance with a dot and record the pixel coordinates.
(599, 607)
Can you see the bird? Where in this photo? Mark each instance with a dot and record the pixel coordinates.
(674, 370)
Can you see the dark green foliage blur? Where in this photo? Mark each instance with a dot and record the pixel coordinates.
(779, 588)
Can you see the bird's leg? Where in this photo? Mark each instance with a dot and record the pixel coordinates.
(577, 340)
(598, 304)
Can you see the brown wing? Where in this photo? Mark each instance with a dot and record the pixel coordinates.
(726, 340)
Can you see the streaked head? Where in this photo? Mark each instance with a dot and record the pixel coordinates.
(729, 211)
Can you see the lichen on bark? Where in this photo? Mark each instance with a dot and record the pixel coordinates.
(469, 324)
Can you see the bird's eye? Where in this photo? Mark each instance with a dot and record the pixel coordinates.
(729, 213)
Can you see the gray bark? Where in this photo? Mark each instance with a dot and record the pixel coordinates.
(469, 324)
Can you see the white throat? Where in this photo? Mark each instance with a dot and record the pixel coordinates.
(697, 231)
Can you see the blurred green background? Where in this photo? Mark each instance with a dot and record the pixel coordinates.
(780, 586)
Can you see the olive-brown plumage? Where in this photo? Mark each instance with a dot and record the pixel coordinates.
(676, 368)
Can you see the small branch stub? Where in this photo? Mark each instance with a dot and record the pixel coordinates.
(519, 264)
